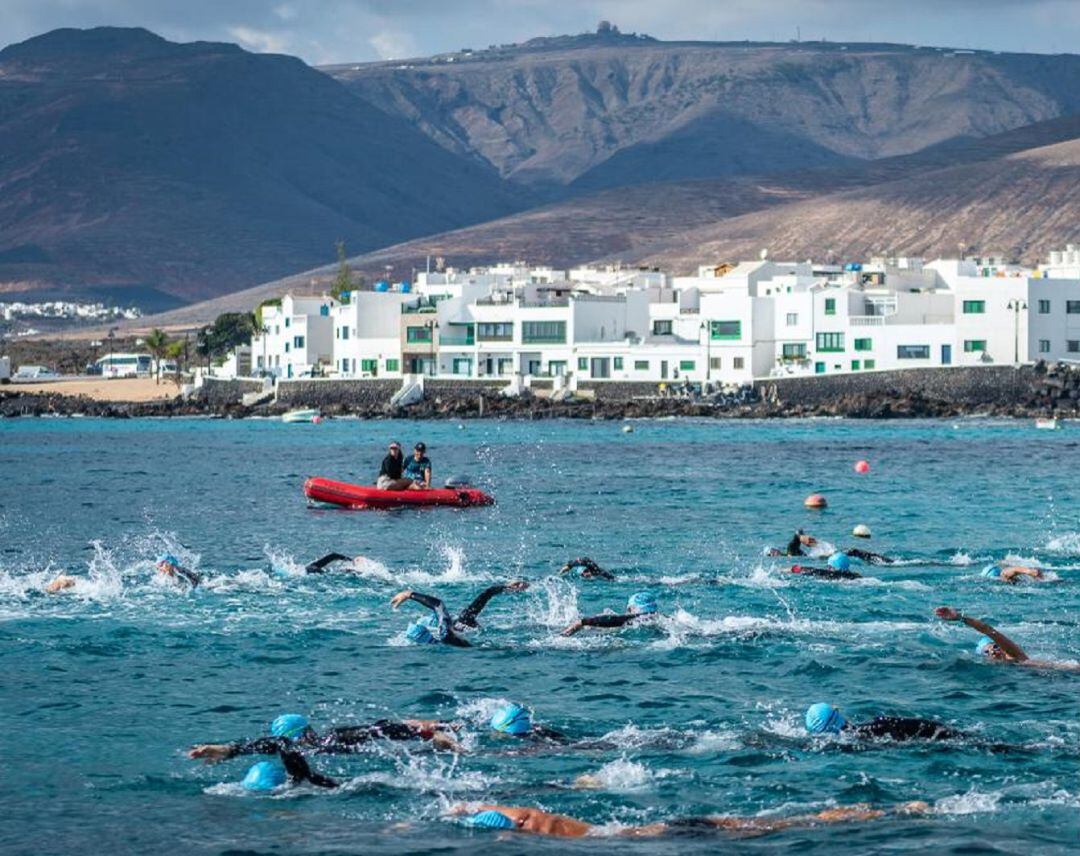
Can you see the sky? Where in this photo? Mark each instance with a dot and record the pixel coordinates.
(332, 31)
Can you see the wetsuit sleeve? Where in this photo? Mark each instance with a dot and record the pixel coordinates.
(867, 556)
(906, 728)
(456, 641)
(794, 547)
(193, 578)
(260, 746)
(445, 622)
(297, 767)
(317, 566)
(607, 620)
(550, 735)
(826, 573)
(469, 614)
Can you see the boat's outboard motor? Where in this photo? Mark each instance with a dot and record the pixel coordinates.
(458, 481)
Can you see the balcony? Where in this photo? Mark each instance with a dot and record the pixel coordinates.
(456, 341)
(866, 320)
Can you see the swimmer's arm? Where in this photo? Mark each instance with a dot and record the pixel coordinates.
(193, 578)
(297, 767)
(214, 752)
(319, 564)
(469, 614)
(607, 621)
(1004, 642)
(60, 583)
(1009, 574)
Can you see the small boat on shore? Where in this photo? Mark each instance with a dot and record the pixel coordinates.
(303, 415)
(1050, 424)
(368, 496)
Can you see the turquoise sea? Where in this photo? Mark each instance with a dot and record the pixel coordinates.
(103, 688)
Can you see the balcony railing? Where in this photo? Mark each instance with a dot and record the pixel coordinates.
(457, 341)
(866, 320)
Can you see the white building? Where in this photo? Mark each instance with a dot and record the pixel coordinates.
(367, 340)
(297, 338)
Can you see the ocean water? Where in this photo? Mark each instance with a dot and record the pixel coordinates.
(103, 688)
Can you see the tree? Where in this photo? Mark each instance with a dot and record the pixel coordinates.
(177, 352)
(157, 343)
(344, 281)
(228, 331)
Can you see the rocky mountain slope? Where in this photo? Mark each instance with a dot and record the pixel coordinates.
(137, 169)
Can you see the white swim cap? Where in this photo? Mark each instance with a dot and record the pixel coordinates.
(861, 531)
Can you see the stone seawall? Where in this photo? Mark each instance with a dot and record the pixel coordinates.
(221, 393)
(350, 395)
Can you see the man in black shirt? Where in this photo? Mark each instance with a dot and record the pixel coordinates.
(390, 471)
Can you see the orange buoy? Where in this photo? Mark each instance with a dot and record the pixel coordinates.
(862, 467)
(815, 500)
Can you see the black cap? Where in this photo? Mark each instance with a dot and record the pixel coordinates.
(420, 447)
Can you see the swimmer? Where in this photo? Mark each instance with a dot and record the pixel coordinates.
(823, 718)
(795, 546)
(997, 646)
(319, 565)
(294, 770)
(515, 721)
(440, 627)
(538, 822)
(839, 569)
(640, 606)
(1010, 573)
(169, 566)
(292, 731)
(61, 583)
(869, 557)
(589, 569)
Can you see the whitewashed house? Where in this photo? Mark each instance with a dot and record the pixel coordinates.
(296, 339)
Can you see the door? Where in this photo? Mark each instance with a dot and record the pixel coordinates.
(946, 355)
(663, 369)
(601, 367)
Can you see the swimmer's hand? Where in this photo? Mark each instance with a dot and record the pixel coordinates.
(444, 741)
(400, 598)
(211, 753)
(572, 629)
(947, 613)
(517, 585)
(59, 584)
(914, 807)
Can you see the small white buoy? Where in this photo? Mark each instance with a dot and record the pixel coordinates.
(861, 531)
(628, 429)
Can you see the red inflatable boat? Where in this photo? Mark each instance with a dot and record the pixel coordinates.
(368, 496)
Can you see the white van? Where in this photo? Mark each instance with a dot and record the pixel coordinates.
(35, 373)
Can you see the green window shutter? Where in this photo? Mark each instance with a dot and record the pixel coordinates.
(830, 305)
(583, 364)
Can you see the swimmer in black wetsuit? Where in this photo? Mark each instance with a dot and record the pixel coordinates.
(869, 557)
(795, 546)
(319, 565)
(589, 569)
(440, 627)
(516, 721)
(823, 718)
(298, 770)
(640, 605)
(292, 731)
(825, 573)
(168, 565)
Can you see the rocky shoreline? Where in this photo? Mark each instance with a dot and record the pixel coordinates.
(1032, 392)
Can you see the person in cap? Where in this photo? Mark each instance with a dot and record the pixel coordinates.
(439, 627)
(418, 468)
(516, 721)
(293, 732)
(797, 546)
(167, 565)
(641, 605)
(539, 822)
(1010, 573)
(390, 473)
(293, 770)
(839, 568)
(995, 645)
(823, 718)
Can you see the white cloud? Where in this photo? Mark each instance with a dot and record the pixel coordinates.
(393, 44)
(260, 41)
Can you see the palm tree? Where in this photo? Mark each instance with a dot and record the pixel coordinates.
(177, 351)
(157, 343)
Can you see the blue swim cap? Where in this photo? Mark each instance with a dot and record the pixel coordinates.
(822, 718)
(642, 603)
(291, 725)
(168, 559)
(992, 571)
(264, 776)
(420, 635)
(489, 819)
(840, 562)
(984, 645)
(512, 719)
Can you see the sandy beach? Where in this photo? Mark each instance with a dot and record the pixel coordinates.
(99, 389)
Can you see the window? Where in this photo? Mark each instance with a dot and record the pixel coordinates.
(1044, 307)
(864, 344)
(738, 363)
(557, 368)
(369, 366)
(1073, 346)
(462, 366)
(641, 365)
(661, 328)
(715, 363)
(854, 365)
(726, 329)
(686, 365)
(298, 341)
(496, 332)
(974, 307)
(1072, 307)
(287, 320)
(324, 310)
(868, 364)
(973, 346)
(552, 332)
(392, 365)
(1044, 346)
(794, 351)
(616, 363)
(830, 341)
(912, 352)
(583, 364)
(792, 319)
(344, 332)
(417, 334)
(830, 305)
(819, 368)
(286, 347)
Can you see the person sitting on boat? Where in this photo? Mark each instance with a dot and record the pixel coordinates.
(390, 474)
(293, 731)
(440, 627)
(997, 646)
(539, 822)
(418, 468)
(641, 605)
(1011, 573)
(589, 569)
(839, 569)
(823, 718)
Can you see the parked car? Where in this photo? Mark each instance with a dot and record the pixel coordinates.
(35, 373)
